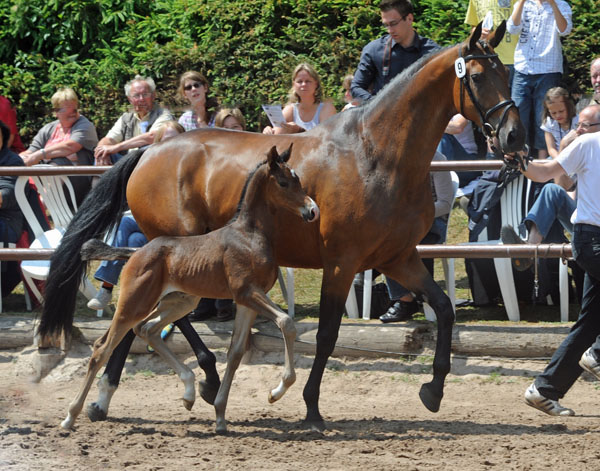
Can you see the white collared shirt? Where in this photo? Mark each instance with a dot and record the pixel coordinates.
(539, 50)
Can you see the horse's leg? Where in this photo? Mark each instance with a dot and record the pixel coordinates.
(244, 319)
(259, 302)
(206, 360)
(109, 382)
(171, 308)
(421, 283)
(334, 291)
(103, 347)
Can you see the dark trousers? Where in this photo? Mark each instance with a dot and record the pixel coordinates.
(563, 369)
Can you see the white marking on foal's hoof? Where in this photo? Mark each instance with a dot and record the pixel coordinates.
(68, 422)
(277, 393)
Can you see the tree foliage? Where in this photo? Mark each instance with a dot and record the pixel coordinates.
(247, 49)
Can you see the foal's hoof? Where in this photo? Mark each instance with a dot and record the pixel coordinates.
(430, 398)
(95, 413)
(188, 404)
(208, 392)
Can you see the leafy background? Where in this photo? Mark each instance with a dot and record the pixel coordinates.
(247, 49)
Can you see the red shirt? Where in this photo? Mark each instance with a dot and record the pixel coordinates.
(9, 116)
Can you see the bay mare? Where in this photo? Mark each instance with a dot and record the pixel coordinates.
(366, 168)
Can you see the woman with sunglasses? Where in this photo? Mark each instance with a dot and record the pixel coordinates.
(193, 86)
(68, 140)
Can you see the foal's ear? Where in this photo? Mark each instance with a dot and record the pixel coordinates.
(496, 36)
(272, 156)
(285, 156)
(475, 35)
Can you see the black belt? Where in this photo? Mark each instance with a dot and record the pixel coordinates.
(586, 228)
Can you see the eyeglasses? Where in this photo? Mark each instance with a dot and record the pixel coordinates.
(64, 110)
(139, 96)
(587, 125)
(188, 87)
(393, 24)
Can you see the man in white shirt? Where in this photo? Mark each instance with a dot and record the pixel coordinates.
(581, 349)
(538, 58)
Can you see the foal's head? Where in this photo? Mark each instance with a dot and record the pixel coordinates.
(283, 187)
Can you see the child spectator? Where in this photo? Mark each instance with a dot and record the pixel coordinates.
(350, 102)
(538, 58)
(230, 118)
(194, 87)
(558, 118)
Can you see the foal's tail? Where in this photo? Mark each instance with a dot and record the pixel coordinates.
(95, 249)
(99, 213)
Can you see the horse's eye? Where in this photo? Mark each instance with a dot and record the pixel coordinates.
(283, 184)
(476, 78)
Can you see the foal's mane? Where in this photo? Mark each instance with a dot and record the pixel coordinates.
(245, 190)
(401, 80)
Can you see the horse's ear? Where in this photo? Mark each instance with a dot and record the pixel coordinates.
(272, 156)
(285, 156)
(496, 36)
(475, 35)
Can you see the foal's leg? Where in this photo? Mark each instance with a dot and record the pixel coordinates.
(421, 283)
(103, 347)
(109, 382)
(244, 318)
(262, 304)
(171, 308)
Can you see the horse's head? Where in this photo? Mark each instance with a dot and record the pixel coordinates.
(284, 188)
(481, 91)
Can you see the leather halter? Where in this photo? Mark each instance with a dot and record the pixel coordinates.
(489, 130)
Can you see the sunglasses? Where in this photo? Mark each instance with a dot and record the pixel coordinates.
(188, 87)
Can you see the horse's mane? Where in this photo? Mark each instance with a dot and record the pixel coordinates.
(400, 81)
(245, 190)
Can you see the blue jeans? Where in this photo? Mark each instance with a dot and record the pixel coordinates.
(128, 234)
(563, 369)
(528, 93)
(395, 289)
(453, 150)
(552, 203)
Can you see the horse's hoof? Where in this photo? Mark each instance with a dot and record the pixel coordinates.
(67, 424)
(188, 404)
(221, 430)
(95, 413)
(429, 398)
(271, 398)
(315, 425)
(208, 392)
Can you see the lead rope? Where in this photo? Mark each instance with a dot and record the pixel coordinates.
(536, 280)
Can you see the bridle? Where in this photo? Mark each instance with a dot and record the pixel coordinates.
(489, 130)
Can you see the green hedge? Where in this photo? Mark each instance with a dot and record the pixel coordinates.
(247, 49)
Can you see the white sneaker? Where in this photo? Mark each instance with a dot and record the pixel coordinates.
(534, 399)
(589, 364)
(102, 299)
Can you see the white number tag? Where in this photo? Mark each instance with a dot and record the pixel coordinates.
(460, 67)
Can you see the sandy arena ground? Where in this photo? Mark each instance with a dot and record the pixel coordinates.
(374, 416)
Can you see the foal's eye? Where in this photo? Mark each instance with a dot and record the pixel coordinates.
(283, 184)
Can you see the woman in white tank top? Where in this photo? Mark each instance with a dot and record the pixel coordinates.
(305, 108)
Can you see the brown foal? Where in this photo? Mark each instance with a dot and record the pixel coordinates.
(235, 261)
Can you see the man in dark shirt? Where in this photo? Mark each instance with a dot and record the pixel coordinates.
(384, 58)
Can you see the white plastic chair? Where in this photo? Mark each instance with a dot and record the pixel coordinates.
(447, 264)
(513, 202)
(56, 193)
(287, 291)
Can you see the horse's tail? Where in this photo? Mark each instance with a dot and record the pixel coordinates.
(99, 213)
(95, 249)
